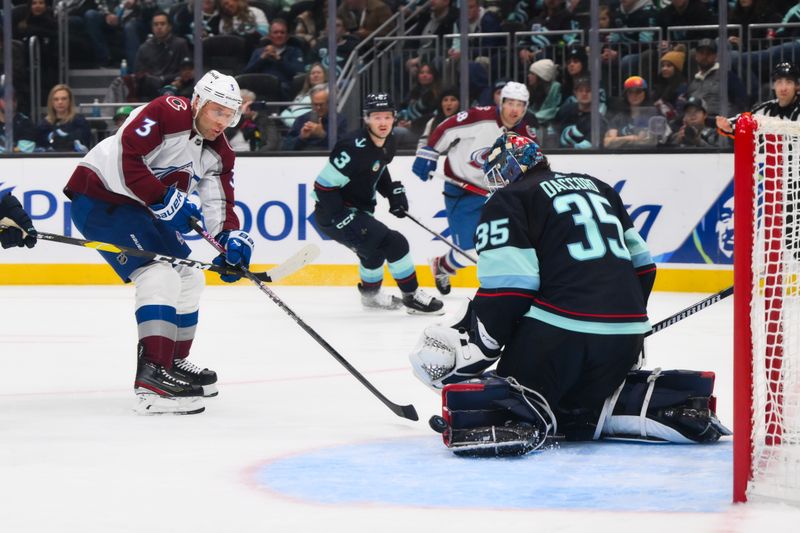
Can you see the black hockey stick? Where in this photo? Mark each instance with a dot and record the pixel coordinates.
(441, 238)
(689, 311)
(405, 411)
(307, 254)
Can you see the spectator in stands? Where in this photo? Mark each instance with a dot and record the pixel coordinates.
(251, 134)
(158, 60)
(24, 129)
(39, 21)
(421, 102)
(480, 20)
(686, 13)
(362, 17)
(491, 95)
(310, 131)
(765, 46)
(706, 82)
(577, 67)
(63, 129)
(345, 44)
(183, 84)
(135, 17)
(182, 16)
(574, 118)
(669, 89)
(545, 90)
(449, 105)
(554, 16)
(693, 130)
(633, 126)
(437, 20)
(747, 12)
(308, 24)
(236, 17)
(101, 26)
(121, 115)
(316, 75)
(626, 46)
(277, 57)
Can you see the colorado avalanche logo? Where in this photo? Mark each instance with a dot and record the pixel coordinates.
(478, 158)
(163, 172)
(176, 103)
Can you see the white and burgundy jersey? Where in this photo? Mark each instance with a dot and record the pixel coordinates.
(154, 149)
(478, 128)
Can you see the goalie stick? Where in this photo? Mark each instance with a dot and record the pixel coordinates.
(405, 411)
(297, 261)
(689, 311)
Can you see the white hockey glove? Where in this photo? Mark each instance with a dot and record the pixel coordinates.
(445, 355)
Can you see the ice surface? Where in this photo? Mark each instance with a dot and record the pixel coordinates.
(294, 443)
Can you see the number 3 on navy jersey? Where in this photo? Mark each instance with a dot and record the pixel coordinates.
(494, 232)
(342, 160)
(588, 218)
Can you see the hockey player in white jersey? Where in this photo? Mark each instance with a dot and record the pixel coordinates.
(134, 189)
(465, 139)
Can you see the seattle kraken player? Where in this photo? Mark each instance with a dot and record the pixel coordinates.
(345, 194)
(13, 237)
(133, 189)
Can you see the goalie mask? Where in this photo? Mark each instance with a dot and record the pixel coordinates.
(509, 158)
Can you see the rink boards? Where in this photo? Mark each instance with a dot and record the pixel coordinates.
(679, 202)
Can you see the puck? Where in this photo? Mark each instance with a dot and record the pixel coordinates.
(438, 424)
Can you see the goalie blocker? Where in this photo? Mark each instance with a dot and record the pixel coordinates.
(493, 416)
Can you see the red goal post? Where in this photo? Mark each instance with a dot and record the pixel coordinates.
(766, 454)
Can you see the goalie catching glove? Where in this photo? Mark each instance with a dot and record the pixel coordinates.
(445, 355)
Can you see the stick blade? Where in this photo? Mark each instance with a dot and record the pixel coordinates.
(301, 258)
(406, 411)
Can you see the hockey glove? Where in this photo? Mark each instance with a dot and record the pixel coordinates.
(10, 237)
(176, 210)
(398, 202)
(350, 225)
(238, 250)
(425, 163)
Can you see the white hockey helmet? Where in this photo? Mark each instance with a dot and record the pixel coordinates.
(219, 88)
(515, 91)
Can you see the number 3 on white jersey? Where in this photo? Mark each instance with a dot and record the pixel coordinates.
(145, 128)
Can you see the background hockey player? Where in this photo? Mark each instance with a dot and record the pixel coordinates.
(134, 189)
(475, 130)
(14, 237)
(567, 319)
(345, 194)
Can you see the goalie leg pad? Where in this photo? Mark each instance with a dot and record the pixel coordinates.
(671, 405)
(492, 417)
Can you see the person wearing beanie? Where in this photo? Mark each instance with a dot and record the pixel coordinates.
(638, 123)
(545, 90)
(669, 89)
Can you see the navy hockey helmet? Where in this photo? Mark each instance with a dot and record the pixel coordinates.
(378, 102)
(509, 158)
(787, 70)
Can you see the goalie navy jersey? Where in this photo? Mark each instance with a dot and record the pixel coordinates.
(356, 169)
(561, 248)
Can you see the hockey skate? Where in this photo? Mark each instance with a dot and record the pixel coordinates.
(160, 392)
(441, 275)
(375, 299)
(420, 302)
(203, 377)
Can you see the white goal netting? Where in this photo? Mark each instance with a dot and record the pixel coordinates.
(775, 312)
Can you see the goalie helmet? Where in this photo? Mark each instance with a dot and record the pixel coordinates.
(221, 89)
(509, 158)
(378, 102)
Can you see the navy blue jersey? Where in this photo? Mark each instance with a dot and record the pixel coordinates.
(356, 169)
(562, 249)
